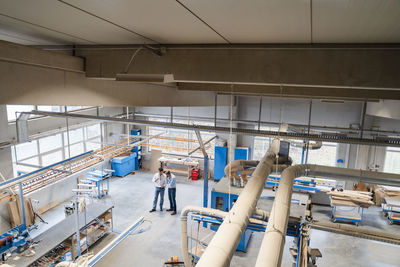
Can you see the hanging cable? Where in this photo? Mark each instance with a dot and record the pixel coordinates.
(188, 132)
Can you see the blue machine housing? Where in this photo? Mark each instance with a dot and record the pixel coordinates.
(15, 237)
(137, 149)
(124, 165)
(242, 153)
(220, 161)
(221, 201)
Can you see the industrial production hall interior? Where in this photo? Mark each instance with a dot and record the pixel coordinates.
(200, 133)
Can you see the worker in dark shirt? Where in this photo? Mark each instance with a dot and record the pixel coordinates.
(171, 183)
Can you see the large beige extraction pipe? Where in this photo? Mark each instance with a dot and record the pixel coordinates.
(275, 234)
(246, 167)
(270, 254)
(262, 214)
(184, 213)
(312, 146)
(221, 248)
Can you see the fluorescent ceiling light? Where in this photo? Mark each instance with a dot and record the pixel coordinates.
(147, 78)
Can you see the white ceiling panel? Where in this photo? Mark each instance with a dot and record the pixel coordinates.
(256, 21)
(356, 21)
(65, 19)
(165, 21)
(24, 33)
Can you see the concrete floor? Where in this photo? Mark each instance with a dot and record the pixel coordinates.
(132, 197)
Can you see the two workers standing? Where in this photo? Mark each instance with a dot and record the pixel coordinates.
(161, 180)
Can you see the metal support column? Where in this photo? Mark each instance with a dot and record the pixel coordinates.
(259, 113)
(364, 110)
(22, 205)
(308, 131)
(215, 110)
(303, 153)
(205, 189)
(78, 241)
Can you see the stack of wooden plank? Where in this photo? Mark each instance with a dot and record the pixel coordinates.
(15, 214)
(382, 191)
(351, 198)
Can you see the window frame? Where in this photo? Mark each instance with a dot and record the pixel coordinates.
(35, 108)
(391, 150)
(18, 162)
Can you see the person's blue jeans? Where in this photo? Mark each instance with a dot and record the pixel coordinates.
(159, 190)
(172, 198)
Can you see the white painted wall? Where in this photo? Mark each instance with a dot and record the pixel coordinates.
(385, 108)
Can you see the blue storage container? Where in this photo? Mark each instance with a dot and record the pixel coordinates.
(137, 149)
(242, 153)
(124, 165)
(220, 161)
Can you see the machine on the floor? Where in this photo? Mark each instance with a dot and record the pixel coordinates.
(224, 197)
(16, 238)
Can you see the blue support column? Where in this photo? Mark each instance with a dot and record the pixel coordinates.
(205, 189)
(205, 192)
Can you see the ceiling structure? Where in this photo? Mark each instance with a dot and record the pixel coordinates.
(334, 49)
(52, 22)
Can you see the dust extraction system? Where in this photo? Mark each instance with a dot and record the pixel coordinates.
(245, 215)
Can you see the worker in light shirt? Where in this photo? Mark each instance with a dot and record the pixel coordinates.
(171, 183)
(159, 179)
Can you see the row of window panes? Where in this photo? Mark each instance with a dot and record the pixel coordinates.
(51, 147)
(392, 160)
(12, 109)
(187, 134)
(53, 142)
(326, 155)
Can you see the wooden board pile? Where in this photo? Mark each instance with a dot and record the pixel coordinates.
(382, 191)
(351, 198)
(15, 214)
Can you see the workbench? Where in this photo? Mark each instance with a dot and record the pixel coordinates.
(186, 165)
(101, 178)
(59, 233)
(392, 206)
(347, 213)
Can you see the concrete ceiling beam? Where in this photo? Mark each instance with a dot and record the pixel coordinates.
(318, 68)
(33, 85)
(295, 91)
(24, 55)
